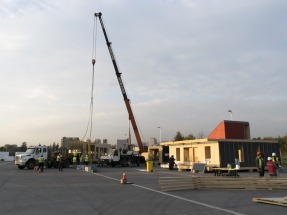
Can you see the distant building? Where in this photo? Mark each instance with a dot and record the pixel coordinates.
(98, 141)
(152, 142)
(121, 143)
(66, 141)
(98, 149)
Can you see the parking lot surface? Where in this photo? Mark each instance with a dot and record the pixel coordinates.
(78, 192)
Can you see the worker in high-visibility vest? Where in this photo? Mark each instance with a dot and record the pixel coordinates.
(260, 164)
(41, 163)
(81, 159)
(86, 159)
(74, 160)
(58, 159)
(276, 160)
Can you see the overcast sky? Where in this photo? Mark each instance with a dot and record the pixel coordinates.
(184, 63)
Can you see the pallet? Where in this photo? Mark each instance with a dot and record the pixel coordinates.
(272, 201)
(228, 183)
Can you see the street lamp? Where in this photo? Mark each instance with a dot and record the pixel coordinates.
(230, 111)
(159, 134)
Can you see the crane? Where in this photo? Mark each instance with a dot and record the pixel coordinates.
(118, 74)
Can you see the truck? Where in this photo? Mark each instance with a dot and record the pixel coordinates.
(30, 157)
(121, 157)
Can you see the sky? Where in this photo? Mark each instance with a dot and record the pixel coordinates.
(184, 64)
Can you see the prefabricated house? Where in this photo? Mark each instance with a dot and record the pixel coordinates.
(228, 143)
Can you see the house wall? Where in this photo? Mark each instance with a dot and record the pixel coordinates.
(189, 152)
(236, 131)
(229, 150)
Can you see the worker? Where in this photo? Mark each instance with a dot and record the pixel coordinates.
(61, 163)
(41, 163)
(81, 159)
(58, 159)
(271, 167)
(260, 164)
(74, 160)
(276, 160)
(86, 159)
(171, 162)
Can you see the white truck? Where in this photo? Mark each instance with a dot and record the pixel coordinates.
(121, 157)
(30, 157)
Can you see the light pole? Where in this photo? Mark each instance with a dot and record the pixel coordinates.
(159, 134)
(230, 111)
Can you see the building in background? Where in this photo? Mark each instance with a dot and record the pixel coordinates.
(67, 141)
(152, 142)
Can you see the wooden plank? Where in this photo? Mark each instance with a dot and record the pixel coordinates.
(273, 201)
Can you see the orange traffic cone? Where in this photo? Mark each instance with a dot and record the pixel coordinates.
(124, 179)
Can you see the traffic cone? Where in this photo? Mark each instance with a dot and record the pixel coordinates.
(124, 179)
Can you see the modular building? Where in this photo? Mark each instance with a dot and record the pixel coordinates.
(228, 143)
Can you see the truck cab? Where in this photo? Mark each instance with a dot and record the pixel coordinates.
(30, 157)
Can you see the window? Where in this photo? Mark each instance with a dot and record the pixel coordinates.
(207, 152)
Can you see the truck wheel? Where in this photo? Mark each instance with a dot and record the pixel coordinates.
(21, 167)
(31, 164)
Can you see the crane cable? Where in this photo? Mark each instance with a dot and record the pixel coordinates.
(90, 120)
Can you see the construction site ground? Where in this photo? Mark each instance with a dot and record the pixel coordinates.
(79, 192)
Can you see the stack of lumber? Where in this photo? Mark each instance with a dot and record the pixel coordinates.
(231, 183)
(175, 183)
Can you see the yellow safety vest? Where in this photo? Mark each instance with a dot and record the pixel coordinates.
(41, 160)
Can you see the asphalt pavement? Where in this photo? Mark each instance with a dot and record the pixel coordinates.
(73, 191)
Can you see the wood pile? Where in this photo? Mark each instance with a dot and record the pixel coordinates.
(228, 183)
(175, 183)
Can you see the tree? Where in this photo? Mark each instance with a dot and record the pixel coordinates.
(189, 137)
(23, 147)
(178, 136)
(200, 135)
(282, 144)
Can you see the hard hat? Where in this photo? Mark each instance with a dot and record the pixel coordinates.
(269, 158)
(273, 154)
